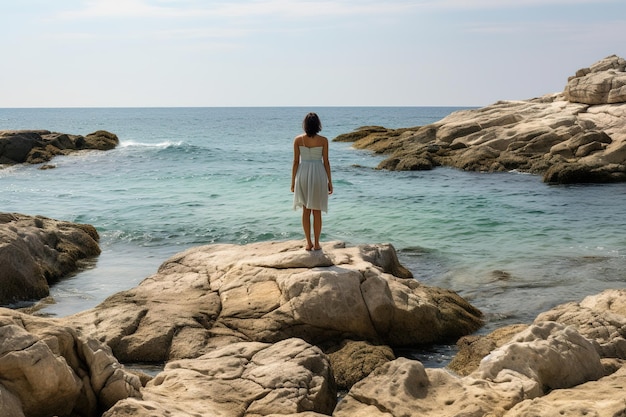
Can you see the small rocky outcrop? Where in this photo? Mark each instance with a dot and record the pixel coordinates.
(47, 369)
(570, 361)
(212, 296)
(576, 136)
(39, 146)
(36, 251)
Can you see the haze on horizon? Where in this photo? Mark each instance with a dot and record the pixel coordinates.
(169, 53)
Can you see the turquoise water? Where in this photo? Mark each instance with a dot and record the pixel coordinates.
(190, 176)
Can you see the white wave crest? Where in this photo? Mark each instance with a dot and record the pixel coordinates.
(159, 145)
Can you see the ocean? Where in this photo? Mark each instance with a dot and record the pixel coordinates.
(181, 177)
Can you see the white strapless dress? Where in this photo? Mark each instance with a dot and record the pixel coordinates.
(311, 185)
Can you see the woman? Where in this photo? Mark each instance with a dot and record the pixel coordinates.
(310, 178)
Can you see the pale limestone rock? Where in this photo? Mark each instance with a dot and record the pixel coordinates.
(545, 369)
(557, 135)
(600, 318)
(36, 251)
(609, 301)
(404, 387)
(546, 356)
(50, 369)
(548, 353)
(602, 83)
(211, 296)
(603, 398)
(249, 378)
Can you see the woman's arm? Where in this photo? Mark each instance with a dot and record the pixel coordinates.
(327, 166)
(296, 163)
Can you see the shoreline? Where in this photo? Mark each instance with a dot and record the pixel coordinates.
(176, 277)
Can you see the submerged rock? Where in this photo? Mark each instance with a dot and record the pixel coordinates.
(576, 136)
(39, 146)
(36, 251)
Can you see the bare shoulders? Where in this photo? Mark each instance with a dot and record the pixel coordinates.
(310, 142)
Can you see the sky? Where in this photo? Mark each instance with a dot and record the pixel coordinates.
(205, 53)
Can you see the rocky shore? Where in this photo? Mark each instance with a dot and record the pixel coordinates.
(268, 329)
(40, 146)
(36, 252)
(576, 136)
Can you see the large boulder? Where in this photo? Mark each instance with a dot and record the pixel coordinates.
(49, 369)
(549, 354)
(571, 137)
(601, 318)
(248, 378)
(602, 83)
(36, 251)
(38, 146)
(212, 296)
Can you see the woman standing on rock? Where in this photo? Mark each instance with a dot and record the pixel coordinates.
(311, 182)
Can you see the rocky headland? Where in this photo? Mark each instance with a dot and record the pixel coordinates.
(575, 136)
(40, 146)
(268, 329)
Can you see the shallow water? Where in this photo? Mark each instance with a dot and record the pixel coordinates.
(510, 244)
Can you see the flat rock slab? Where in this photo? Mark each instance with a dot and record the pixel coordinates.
(212, 296)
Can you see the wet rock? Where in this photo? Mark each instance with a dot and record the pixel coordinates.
(40, 146)
(36, 251)
(354, 360)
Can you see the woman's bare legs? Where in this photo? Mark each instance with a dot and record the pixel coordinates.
(317, 228)
(306, 225)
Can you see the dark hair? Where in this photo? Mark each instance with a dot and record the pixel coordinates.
(311, 124)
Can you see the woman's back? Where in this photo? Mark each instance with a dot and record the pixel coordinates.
(311, 154)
